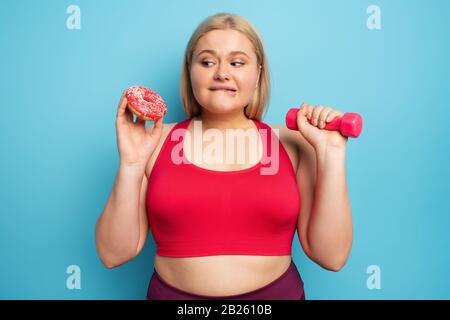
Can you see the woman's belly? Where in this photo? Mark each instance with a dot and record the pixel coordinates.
(221, 275)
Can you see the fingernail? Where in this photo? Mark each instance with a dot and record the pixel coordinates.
(322, 124)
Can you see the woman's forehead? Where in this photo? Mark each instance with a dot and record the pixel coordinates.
(224, 42)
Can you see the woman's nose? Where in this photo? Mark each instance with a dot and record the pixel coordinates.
(221, 76)
(222, 73)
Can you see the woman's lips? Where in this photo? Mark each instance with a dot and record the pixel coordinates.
(228, 92)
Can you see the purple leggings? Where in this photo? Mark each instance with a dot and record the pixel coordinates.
(288, 286)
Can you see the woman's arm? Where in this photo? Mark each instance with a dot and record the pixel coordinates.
(122, 228)
(325, 223)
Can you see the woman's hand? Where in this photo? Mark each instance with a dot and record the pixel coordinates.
(135, 143)
(313, 131)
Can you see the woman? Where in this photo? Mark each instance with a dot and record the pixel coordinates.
(225, 230)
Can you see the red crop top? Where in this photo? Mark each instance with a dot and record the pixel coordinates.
(194, 211)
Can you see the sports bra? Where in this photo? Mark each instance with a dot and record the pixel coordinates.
(194, 211)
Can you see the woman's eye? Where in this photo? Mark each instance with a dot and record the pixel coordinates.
(235, 63)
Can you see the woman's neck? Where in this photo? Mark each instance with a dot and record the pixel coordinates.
(223, 121)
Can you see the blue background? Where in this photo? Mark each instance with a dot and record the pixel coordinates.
(59, 94)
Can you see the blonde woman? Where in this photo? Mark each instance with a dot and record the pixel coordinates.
(224, 229)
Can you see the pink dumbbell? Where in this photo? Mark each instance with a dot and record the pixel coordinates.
(350, 124)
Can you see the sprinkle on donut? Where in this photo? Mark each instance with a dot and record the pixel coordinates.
(145, 103)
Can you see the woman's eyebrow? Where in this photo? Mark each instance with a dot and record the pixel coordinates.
(232, 53)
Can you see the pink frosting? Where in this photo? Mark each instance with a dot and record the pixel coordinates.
(146, 102)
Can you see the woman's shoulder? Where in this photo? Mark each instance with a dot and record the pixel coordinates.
(287, 136)
(167, 127)
(292, 138)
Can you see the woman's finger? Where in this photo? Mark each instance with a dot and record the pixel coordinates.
(122, 106)
(157, 128)
(305, 109)
(129, 115)
(331, 116)
(315, 115)
(140, 122)
(301, 114)
(323, 116)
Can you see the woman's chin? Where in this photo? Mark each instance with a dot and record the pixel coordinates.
(222, 108)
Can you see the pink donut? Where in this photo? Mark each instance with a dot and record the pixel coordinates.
(145, 103)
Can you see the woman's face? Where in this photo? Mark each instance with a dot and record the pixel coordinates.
(224, 59)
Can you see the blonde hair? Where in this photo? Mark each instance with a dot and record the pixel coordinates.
(223, 21)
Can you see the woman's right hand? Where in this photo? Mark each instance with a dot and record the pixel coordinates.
(136, 144)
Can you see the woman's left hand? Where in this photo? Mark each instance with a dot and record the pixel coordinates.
(314, 131)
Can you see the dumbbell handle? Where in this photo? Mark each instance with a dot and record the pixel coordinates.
(349, 125)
